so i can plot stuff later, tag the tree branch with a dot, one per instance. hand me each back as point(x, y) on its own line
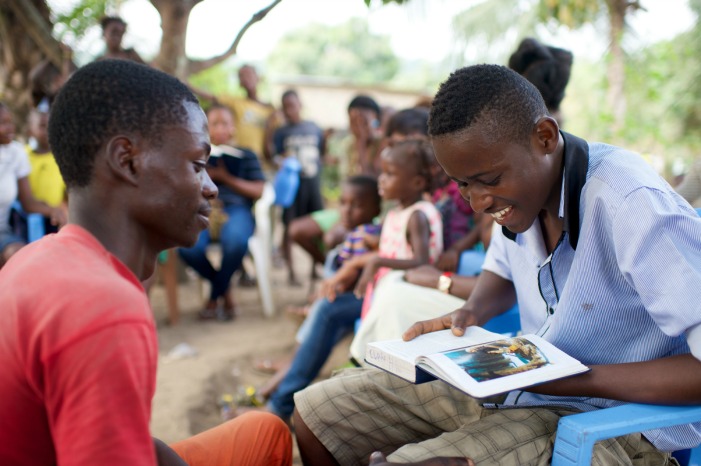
point(195, 66)
point(38, 30)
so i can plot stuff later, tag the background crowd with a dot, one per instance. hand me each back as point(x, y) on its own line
point(385, 253)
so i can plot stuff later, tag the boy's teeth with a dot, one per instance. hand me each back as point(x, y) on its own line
point(499, 215)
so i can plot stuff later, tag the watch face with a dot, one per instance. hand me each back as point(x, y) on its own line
point(444, 283)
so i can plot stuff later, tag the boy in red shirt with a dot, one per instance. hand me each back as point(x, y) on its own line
point(79, 355)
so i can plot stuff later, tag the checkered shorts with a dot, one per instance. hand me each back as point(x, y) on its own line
point(360, 411)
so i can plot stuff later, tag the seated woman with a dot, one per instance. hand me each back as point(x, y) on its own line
point(239, 177)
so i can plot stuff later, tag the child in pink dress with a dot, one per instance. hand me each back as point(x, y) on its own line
point(412, 232)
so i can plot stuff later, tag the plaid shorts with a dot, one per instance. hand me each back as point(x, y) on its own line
point(360, 411)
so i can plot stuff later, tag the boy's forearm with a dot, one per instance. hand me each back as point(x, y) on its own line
point(675, 380)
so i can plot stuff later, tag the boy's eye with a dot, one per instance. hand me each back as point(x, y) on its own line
point(494, 182)
point(199, 166)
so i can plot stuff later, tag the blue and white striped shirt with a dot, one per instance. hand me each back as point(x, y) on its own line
point(623, 283)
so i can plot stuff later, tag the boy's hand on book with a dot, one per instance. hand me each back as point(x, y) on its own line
point(457, 320)
point(378, 459)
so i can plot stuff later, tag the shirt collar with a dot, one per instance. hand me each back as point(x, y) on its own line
point(576, 154)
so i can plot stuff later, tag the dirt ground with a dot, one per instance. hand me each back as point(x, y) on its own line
point(189, 387)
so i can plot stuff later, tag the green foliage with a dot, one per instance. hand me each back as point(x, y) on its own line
point(690, 103)
point(571, 13)
point(221, 79)
point(490, 29)
point(348, 51)
point(85, 14)
point(660, 83)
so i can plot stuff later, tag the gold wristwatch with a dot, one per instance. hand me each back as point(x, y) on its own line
point(445, 281)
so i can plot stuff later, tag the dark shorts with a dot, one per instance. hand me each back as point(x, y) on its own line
point(308, 200)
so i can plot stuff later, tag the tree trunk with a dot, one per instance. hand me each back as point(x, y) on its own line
point(175, 15)
point(615, 95)
point(174, 18)
point(25, 40)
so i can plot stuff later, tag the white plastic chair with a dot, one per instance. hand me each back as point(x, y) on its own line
point(260, 247)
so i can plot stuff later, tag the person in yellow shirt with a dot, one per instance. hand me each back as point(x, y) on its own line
point(252, 116)
point(45, 178)
point(255, 121)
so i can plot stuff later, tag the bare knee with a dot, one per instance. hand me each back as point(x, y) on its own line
point(303, 228)
point(311, 449)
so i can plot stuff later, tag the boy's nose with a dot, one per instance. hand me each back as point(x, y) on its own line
point(209, 189)
point(479, 199)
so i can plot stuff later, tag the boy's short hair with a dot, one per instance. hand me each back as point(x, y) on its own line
point(367, 186)
point(365, 102)
point(499, 99)
point(106, 98)
point(408, 121)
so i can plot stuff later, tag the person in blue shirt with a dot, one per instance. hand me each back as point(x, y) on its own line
point(303, 140)
point(604, 260)
point(240, 180)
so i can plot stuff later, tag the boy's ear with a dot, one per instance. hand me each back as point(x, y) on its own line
point(547, 134)
point(123, 157)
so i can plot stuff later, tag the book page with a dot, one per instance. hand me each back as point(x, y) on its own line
point(502, 365)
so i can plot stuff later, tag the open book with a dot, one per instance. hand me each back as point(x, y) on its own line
point(480, 363)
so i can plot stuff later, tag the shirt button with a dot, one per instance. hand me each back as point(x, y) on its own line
point(551, 311)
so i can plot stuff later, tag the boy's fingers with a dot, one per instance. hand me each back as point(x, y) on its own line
point(427, 326)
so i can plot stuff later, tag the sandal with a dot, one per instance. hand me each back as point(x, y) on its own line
point(267, 366)
point(207, 314)
point(225, 315)
point(298, 311)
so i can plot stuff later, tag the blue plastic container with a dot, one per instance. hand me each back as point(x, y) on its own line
point(286, 182)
